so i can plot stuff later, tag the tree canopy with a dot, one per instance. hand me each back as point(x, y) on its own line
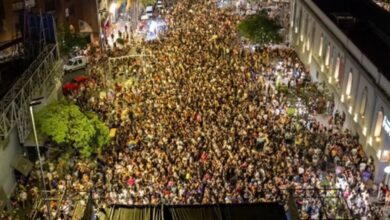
point(65, 124)
point(260, 29)
point(68, 40)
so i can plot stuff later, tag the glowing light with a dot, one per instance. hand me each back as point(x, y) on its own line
point(355, 118)
point(379, 154)
point(350, 109)
point(112, 8)
point(365, 131)
point(342, 98)
point(387, 169)
point(369, 141)
point(154, 29)
point(308, 45)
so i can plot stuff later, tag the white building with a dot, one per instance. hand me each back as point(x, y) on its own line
point(346, 43)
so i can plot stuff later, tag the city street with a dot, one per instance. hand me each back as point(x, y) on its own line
point(201, 111)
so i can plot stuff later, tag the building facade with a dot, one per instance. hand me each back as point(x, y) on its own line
point(81, 16)
point(347, 50)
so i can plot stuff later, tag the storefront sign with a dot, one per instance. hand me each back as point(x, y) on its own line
point(386, 125)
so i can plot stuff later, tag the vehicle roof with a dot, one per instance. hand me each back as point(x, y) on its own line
point(77, 57)
point(80, 78)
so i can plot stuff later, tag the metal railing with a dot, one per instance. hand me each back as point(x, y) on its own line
point(38, 80)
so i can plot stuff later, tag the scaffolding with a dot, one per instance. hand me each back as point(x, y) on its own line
point(38, 80)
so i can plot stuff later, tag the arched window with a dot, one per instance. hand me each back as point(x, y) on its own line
point(313, 33)
point(349, 84)
point(378, 124)
point(363, 104)
point(337, 68)
point(327, 58)
point(305, 27)
point(299, 21)
point(295, 13)
point(321, 45)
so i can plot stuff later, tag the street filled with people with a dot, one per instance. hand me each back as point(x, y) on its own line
point(208, 122)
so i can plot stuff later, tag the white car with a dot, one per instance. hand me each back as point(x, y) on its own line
point(75, 63)
point(149, 11)
point(160, 4)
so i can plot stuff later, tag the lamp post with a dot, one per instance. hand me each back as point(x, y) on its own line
point(99, 24)
point(387, 171)
point(34, 102)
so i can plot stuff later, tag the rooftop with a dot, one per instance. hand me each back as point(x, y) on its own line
point(366, 24)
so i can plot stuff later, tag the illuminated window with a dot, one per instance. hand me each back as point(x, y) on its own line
point(327, 58)
point(337, 69)
point(349, 84)
point(378, 124)
point(295, 13)
point(321, 45)
point(363, 104)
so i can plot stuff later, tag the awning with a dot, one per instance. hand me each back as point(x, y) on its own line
point(80, 78)
point(22, 165)
point(70, 86)
point(84, 27)
point(112, 132)
point(78, 211)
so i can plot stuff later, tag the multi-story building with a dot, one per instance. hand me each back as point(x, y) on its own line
point(346, 44)
point(80, 16)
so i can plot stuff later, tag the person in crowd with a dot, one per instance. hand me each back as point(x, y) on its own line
point(208, 123)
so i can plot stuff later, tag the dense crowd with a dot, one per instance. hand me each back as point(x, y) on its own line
point(207, 123)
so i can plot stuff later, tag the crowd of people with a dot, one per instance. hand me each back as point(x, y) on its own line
point(207, 123)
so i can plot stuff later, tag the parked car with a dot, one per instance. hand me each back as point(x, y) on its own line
point(159, 4)
point(76, 63)
point(74, 85)
point(149, 11)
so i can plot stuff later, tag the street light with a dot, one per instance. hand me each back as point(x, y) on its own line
point(33, 103)
point(113, 8)
point(387, 169)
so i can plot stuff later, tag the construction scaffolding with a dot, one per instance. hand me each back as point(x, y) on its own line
point(38, 80)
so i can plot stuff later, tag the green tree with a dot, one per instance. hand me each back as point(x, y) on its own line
point(68, 40)
point(260, 29)
point(120, 41)
point(65, 124)
point(101, 137)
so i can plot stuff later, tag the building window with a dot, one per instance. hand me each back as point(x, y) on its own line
point(295, 13)
point(313, 33)
point(304, 27)
point(349, 84)
point(378, 124)
point(300, 18)
point(337, 69)
point(363, 104)
point(321, 45)
point(327, 58)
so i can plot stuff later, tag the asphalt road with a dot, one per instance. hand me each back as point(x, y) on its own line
point(69, 76)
